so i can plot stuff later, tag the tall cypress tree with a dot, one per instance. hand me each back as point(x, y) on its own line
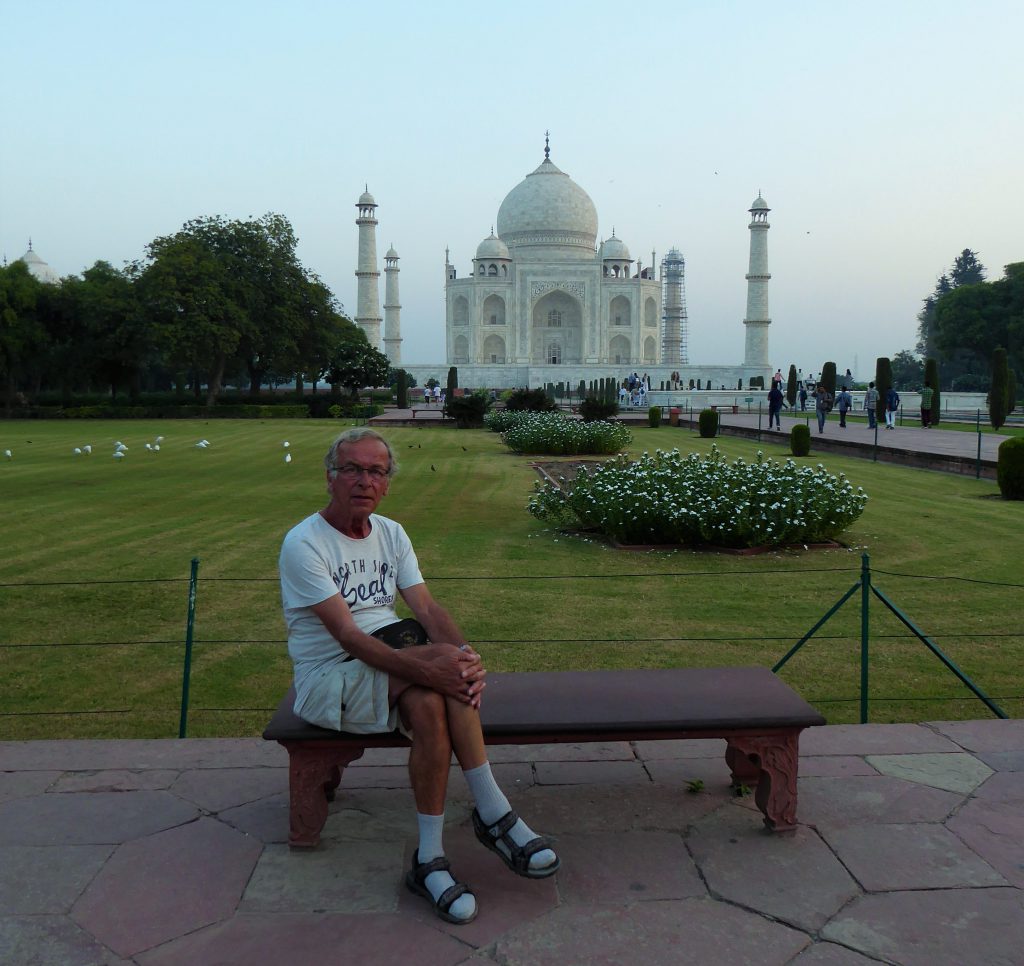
point(828, 377)
point(791, 387)
point(931, 378)
point(883, 383)
point(402, 390)
point(997, 394)
point(453, 384)
point(1011, 390)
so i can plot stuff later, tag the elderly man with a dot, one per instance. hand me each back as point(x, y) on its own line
point(340, 571)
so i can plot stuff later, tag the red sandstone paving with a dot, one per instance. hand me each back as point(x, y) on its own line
point(51, 941)
point(1004, 787)
point(995, 735)
point(598, 751)
point(166, 885)
point(829, 954)
point(713, 772)
point(97, 817)
point(1003, 760)
point(793, 877)
point(573, 809)
point(131, 753)
point(834, 766)
point(265, 820)
point(886, 858)
point(35, 880)
point(504, 900)
point(338, 877)
point(995, 831)
point(948, 927)
point(586, 772)
point(216, 789)
point(873, 739)
point(24, 784)
point(115, 780)
point(869, 800)
point(651, 933)
point(626, 867)
point(296, 940)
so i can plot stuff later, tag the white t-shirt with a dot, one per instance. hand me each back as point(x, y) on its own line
point(317, 561)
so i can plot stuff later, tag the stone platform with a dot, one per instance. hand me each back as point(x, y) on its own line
point(909, 849)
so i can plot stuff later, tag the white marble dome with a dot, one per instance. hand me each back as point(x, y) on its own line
point(760, 203)
point(492, 247)
point(615, 248)
point(547, 208)
point(38, 268)
point(366, 199)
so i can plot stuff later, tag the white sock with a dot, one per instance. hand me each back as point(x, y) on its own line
point(430, 847)
point(492, 804)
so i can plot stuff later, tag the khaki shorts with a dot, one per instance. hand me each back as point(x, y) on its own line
point(364, 700)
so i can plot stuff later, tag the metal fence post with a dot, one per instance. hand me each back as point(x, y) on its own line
point(186, 672)
point(759, 422)
point(977, 461)
point(865, 599)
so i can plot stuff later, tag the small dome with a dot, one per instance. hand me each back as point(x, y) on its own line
point(38, 268)
point(492, 247)
point(760, 204)
point(391, 253)
point(366, 199)
point(615, 248)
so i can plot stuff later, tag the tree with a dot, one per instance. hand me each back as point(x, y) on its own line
point(790, 387)
point(453, 382)
point(966, 270)
point(907, 369)
point(883, 383)
point(355, 364)
point(997, 394)
point(21, 334)
point(401, 389)
point(828, 378)
point(931, 378)
point(1011, 390)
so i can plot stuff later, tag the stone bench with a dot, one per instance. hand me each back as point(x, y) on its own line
point(723, 406)
point(758, 715)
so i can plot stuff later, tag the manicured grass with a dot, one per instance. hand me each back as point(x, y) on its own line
point(529, 597)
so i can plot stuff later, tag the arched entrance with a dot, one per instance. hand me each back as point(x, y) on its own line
point(557, 329)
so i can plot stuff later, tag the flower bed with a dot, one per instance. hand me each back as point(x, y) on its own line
point(558, 435)
point(669, 499)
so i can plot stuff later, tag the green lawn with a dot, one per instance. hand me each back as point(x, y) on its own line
point(96, 559)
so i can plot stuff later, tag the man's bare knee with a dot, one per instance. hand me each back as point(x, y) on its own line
point(423, 710)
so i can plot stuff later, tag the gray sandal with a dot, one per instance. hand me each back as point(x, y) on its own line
point(416, 877)
point(518, 856)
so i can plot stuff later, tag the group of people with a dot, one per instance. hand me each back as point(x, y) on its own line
point(843, 402)
point(436, 394)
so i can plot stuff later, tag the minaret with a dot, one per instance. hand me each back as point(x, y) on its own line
point(674, 349)
point(757, 320)
point(368, 301)
point(392, 309)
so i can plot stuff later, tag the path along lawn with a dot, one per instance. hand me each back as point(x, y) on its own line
point(96, 560)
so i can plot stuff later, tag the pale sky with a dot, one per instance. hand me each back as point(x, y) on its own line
point(885, 137)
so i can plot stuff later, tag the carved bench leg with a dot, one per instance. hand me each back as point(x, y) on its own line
point(776, 759)
point(314, 772)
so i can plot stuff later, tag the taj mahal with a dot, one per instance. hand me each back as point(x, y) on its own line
point(544, 301)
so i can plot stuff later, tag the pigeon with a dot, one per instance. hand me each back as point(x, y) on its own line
point(434, 468)
point(464, 450)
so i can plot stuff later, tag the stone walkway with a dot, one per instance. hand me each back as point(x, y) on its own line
point(910, 850)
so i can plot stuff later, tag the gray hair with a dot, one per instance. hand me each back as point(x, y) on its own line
point(350, 436)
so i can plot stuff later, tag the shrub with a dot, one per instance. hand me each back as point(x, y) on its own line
point(654, 417)
point(534, 400)
point(469, 411)
point(696, 500)
point(559, 435)
point(593, 409)
point(800, 440)
point(354, 410)
point(708, 423)
point(1010, 468)
point(498, 420)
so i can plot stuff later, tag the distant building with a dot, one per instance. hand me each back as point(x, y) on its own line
point(37, 267)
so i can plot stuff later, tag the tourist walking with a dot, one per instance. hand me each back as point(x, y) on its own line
point(803, 399)
point(927, 394)
point(822, 402)
point(844, 402)
point(871, 405)
point(775, 398)
point(892, 404)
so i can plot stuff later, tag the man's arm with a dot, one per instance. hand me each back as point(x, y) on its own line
point(441, 667)
point(439, 624)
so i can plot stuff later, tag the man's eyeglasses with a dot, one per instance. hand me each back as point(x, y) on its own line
point(351, 471)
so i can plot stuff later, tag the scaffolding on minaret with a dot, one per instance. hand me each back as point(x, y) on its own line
point(674, 323)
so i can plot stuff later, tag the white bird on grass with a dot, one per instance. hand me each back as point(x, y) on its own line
point(8, 454)
point(119, 455)
point(87, 449)
point(149, 446)
point(156, 446)
point(77, 451)
point(286, 444)
point(159, 439)
point(287, 457)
